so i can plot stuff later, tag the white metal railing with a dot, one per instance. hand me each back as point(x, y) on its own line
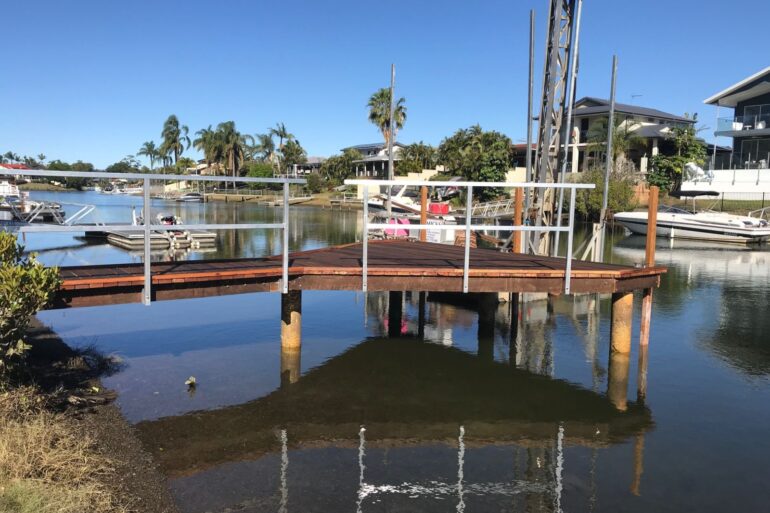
point(569, 228)
point(490, 209)
point(148, 228)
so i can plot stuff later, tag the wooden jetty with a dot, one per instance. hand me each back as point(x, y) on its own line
point(394, 265)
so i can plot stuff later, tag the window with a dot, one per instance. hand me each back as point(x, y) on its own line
point(754, 152)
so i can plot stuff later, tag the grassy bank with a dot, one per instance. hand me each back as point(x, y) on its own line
point(64, 447)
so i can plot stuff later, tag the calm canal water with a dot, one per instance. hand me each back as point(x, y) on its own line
point(462, 421)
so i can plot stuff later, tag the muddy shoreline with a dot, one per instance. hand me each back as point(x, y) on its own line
point(137, 480)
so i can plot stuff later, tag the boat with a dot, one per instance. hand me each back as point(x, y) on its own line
point(678, 223)
point(16, 207)
point(191, 197)
point(403, 199)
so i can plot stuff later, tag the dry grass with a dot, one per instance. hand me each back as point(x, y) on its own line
point(46, 463)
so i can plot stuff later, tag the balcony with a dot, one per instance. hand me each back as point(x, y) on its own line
point(743, 126)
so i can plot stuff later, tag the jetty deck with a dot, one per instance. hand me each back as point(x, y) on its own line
point(394, 265)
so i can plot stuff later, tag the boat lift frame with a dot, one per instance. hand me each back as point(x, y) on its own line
point(469, 186)
point(148, 228)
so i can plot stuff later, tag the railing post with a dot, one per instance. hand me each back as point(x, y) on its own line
point(365, 242)
point(147, 292)
point(468, 216)
point(285, 275)
point(568, 269)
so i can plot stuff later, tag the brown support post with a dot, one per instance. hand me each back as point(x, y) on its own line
point(423, 212)
point(638, 465)
point(518, 205)
point(620, 349)
point(622, 316)
point(649, 261)
point(291, 336)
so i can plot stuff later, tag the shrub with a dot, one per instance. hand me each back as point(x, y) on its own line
point(620, 198)
point(26, 286)
point(314, 183)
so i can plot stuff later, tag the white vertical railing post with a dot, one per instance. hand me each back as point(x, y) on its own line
point(285, 275)
point(147, 292)
point(570, 234)
point(365, 242)
point(468, 216)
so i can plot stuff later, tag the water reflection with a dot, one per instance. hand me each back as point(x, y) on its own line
point(412, 398)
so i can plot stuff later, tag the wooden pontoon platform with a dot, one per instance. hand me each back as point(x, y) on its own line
point(394, 265)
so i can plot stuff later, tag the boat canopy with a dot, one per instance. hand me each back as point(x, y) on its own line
point(692, 194)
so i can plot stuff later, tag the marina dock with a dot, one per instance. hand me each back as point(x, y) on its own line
point(394, 265)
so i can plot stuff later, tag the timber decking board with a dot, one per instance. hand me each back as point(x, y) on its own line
point(396, 260)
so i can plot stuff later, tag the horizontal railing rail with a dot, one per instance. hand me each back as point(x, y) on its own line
point(469, 226)
point(147, 227)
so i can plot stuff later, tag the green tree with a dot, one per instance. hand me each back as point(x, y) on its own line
point(281, 133)
point(265, 147)
point(338, 167)
point(233, 145)
point(420, 152)
point(259, 169)
point(623, 138)
point(208, 142)
point(293, 153)
point(175, 139)
point(619, 199)
point(379, 113)
point(150, 151)
point(667, 167)
point(59, 165)
point(26, 286)
point(477, 156)
point(185, 163)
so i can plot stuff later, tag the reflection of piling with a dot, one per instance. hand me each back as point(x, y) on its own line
point(291, 336)
point(486, 334)
point(638, 465)
point(421, 316)
point(641, 375)
point(290, 365)
point(617, 380)
point(513, 339)
point(395, 301)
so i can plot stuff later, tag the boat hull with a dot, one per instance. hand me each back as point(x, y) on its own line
point(693, 231)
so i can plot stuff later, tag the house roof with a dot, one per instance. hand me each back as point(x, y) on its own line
point(378, 158)
point(756, 84)
point(373, 146)
point(13, 166)
point(591, 106)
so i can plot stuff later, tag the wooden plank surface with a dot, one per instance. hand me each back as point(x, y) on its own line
point(396, 262)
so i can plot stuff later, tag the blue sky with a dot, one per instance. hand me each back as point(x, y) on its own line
point(93, 80)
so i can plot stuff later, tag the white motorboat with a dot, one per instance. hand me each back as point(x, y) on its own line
point(677, 223)
point(403, 199)
point(191, 197)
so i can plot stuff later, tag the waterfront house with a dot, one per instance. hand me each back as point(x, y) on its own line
point(374, 159)
point(652, 126)
point(749, 126)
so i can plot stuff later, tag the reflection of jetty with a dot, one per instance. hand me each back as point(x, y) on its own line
point(493, 401)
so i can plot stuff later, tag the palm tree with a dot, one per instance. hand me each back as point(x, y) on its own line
point(232, 145)
point(265, 147)
point(174, 137)
point(281, 133)
point(623, 138)
point(150, 151)
point(209, 143)
point(379, 113)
